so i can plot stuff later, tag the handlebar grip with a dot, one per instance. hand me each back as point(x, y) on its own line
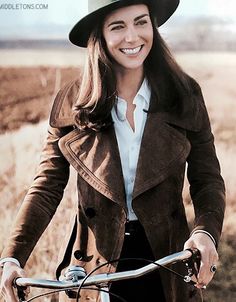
point(20, 290)
point(196, 254)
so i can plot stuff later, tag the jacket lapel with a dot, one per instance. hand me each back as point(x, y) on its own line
point(163, 148)
point(95, 156)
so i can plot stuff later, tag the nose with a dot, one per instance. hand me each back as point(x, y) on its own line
point(131, 35)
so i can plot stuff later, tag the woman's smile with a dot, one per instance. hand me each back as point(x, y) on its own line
point(128, 33)
point(132, 51)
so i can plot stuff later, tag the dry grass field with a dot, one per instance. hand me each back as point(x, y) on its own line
point(26, 95)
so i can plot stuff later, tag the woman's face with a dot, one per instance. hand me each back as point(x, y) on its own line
point(128, 34)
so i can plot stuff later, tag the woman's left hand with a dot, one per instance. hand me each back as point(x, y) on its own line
point(209, 257)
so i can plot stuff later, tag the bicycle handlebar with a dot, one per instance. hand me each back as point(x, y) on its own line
point(109, 277)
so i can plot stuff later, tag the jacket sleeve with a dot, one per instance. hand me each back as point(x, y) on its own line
point(207, 188)
point(41, 200)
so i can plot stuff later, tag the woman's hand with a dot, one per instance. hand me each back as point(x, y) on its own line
point(209, 257)
point(10, 272)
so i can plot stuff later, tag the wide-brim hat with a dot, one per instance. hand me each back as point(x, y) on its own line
point(79, 35)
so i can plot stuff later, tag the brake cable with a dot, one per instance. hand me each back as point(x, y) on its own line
point(187, 278)
point(190, 267)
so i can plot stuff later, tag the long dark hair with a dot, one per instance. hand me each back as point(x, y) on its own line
point(170, 85)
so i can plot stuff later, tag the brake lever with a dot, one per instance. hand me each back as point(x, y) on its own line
point(193, 265)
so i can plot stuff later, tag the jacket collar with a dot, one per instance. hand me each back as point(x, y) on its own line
point(95, 155)
point(62, 114)
point(163, 148)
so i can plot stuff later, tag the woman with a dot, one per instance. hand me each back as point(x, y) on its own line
point(128, 127)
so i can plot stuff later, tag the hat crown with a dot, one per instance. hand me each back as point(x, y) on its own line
point(94, 5)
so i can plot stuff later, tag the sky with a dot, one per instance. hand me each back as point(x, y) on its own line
point(18, 20)
point(220, 8)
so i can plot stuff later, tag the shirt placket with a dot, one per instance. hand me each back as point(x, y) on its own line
point(133, 155)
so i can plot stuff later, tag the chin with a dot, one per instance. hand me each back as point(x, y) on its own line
point(132, 66)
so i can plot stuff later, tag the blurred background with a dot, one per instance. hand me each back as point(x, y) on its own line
point(36, 59)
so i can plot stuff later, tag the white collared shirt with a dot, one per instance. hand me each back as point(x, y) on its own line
point(129, 141)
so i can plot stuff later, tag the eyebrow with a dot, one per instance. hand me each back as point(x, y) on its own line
point(122, 22)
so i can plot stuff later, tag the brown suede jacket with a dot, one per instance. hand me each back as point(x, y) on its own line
point(168, 144)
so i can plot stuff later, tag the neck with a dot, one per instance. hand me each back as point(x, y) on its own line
point(128, 83)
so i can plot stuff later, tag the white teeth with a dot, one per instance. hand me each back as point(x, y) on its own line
point(131, 51)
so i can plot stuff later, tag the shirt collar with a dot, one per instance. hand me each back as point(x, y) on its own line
point(142, 99)
point(144, 92)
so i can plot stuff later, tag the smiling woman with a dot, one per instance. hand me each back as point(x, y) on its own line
point(129, 40)
point(129, 127)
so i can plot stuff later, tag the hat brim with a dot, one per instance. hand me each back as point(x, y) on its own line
point(79, 35)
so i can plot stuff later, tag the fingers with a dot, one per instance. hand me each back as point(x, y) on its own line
point(209, 257)
point(10, 272)
point(7, 291)
point(205, 275)
point(189, 244)
point(9, 295)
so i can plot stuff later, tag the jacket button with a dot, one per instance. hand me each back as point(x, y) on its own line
point(98, 261)
point(79, 255)
point(90, 212)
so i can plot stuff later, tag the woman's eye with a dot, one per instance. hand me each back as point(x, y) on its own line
point(118, 27)
point(142, 22)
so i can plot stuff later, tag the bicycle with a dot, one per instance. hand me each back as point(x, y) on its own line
point(76, 278)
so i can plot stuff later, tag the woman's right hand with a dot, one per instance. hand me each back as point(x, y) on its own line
point(10, 272)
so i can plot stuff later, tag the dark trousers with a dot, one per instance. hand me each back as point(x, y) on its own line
point(142, 289)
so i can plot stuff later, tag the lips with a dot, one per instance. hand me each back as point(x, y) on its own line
point(131, 51)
